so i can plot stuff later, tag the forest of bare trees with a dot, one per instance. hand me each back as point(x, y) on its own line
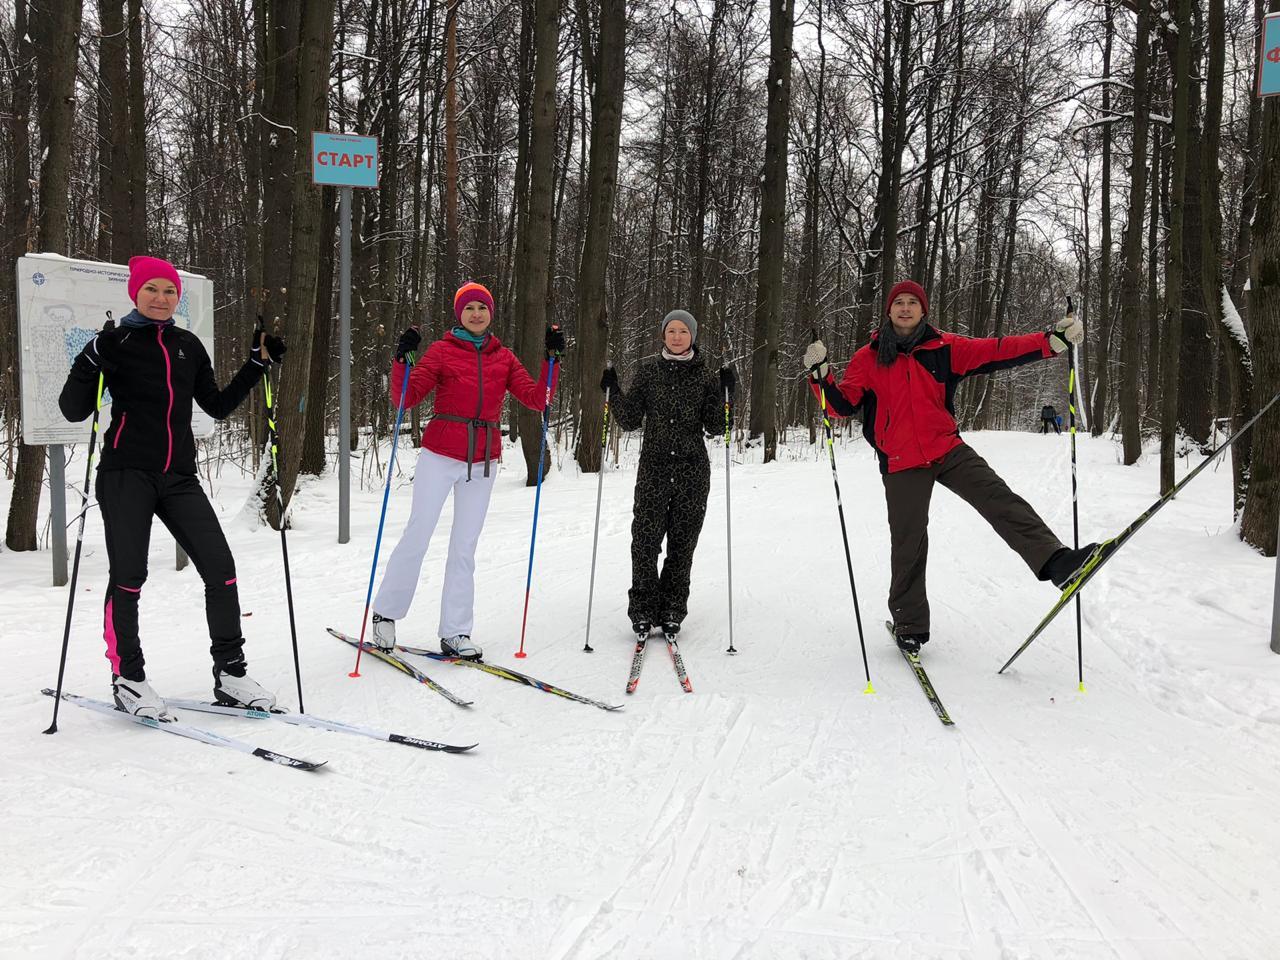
point(771, 167)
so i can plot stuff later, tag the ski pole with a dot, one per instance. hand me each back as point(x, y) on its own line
point(537, 499)
point(284, 540)
point(1075, 494)
point(382, 517)
point(728, 515)
point(75, 565)
point(595, 537)
point(844, 532)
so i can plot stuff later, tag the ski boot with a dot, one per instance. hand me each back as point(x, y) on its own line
point(641, 628)
point(460, 646)
point(137, 697)
point(1065, 565)
point(241, 691)
point(384, 633)
point(911, 642)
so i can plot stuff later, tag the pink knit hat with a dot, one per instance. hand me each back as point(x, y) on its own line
point(142, 269)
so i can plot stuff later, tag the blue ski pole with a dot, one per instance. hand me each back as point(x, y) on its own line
point(382, 517)
point(537, 499)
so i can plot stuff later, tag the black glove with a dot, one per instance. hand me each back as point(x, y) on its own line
point(554, 341)
point(609, 381)
point(408, 343)
point(102, 350)
point(728, 380)
point(275, 347)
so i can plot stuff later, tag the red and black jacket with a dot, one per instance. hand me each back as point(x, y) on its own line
point(908, 406)
point(155, 373)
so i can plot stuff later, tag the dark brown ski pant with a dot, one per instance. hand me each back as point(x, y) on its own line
point(970, 478)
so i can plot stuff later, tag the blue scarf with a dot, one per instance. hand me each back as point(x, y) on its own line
point(476, 339)
point(136, 320)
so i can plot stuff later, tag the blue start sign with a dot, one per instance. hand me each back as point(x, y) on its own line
point(343, 160)
point(1269, 49)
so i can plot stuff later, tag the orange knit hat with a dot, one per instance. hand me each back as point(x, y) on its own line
point(468, 292)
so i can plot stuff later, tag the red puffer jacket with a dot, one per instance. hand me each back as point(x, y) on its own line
point(908, 411)
point(470, 386)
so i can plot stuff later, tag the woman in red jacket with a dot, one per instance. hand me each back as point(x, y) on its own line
point(471, 373)
point(904, 382)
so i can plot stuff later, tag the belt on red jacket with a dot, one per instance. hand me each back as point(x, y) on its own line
point(472, 423)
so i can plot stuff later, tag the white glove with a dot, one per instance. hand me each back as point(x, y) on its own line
point(815, 360)
point(1067, 330)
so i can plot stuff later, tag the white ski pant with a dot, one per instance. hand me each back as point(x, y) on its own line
point(435, 477)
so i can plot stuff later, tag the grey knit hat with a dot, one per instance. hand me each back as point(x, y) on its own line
point(685, 317)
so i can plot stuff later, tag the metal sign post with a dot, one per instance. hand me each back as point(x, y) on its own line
point(344, 161)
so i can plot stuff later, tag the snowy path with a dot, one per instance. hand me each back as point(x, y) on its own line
point(777, 812)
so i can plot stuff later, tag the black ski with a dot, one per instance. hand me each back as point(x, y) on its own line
point(677, 661)
point(404, 666)
point(318, 723)
point(913, 659)
point(637, 662)
point(191, 733)
point(507, 674)
point(1107, 549)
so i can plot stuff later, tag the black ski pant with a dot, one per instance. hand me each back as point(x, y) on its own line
point(1046, 424)
point(670, 503)
point(968, 476)
point(128, 500)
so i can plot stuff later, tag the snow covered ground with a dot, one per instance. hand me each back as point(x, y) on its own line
point(777, 812)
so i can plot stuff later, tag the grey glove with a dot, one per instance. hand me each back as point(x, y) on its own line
point(815, 360)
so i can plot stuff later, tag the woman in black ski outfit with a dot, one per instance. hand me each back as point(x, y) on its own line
point(676, 398)
point(154, 370)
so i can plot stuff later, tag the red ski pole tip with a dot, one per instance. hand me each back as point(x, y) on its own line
point(354, 673)
point(520, 655)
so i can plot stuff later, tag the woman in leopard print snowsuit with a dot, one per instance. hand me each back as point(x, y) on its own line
point(676, 397)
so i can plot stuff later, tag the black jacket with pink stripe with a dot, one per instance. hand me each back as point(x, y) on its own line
point(153, 373)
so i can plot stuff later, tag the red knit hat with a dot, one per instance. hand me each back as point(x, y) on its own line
point(911, 287)
point(142, 269)
point(469, 292)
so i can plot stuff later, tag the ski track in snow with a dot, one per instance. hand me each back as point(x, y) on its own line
point(777, 812)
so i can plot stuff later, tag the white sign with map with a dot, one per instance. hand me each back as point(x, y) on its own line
point(62, 303)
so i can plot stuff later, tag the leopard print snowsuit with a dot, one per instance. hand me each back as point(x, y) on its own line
point(676, 400)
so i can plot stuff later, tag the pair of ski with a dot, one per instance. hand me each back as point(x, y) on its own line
point(677, 661)
point(404, 666)
point(183, 729)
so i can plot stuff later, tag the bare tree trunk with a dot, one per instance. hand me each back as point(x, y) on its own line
point(606, 67)
point(533, 267)
point(56, 38)
point(1131, 291)
point(773, 197)
point(450, 280)
point(315, 422)
point(136, 151)
point(113, 144)
point(1235, 353)
point(1258, 522)
point(315, 45)
point(1101, 371)
point(17, 225)
point(1173, 273)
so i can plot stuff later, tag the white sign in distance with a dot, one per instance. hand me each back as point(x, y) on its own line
point(62, 303)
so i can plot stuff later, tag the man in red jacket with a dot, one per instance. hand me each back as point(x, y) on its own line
point(903, 383)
